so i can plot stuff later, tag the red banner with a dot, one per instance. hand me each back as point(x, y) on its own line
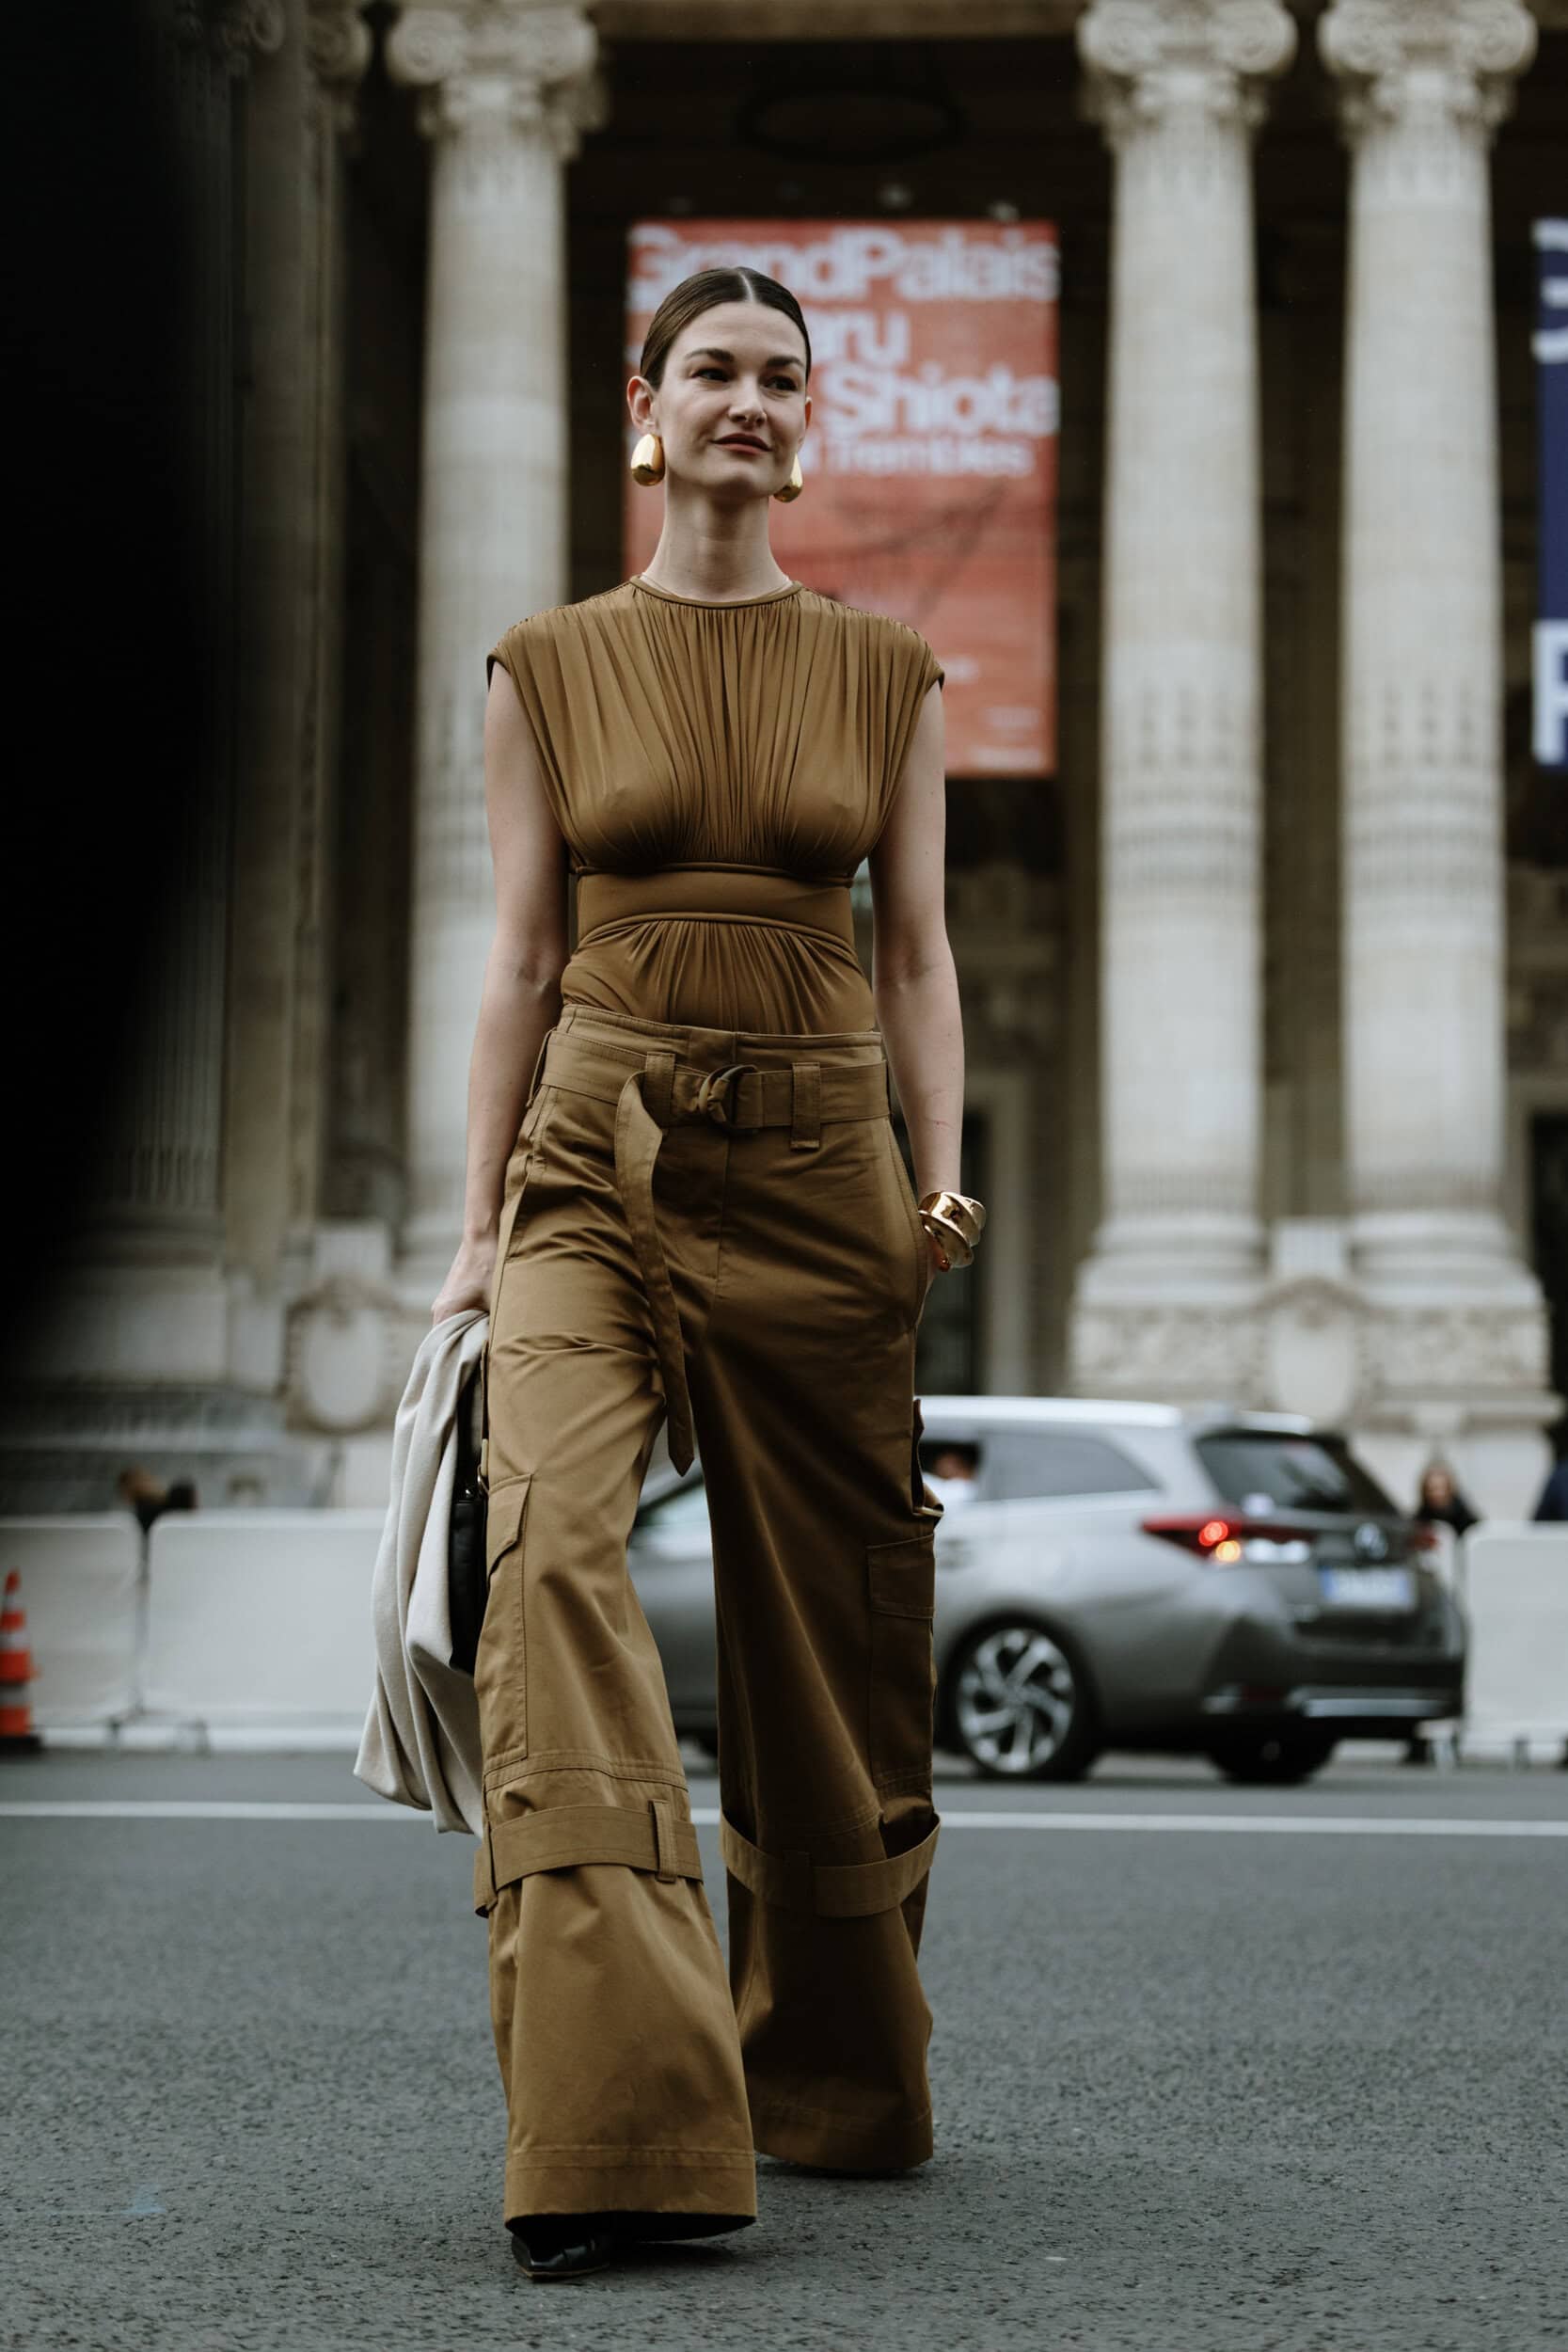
point(930, 462)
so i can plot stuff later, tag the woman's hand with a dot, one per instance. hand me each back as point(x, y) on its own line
point(940, 1259)
point(467, 1282)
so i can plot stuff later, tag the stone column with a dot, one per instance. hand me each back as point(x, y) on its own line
point(289, 586)
point(510, 89)
point(1178, 1252)
point(1457, 1330)
point(148, 1299)
point(135, 1361)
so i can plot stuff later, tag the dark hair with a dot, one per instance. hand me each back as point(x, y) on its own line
point(703, 290)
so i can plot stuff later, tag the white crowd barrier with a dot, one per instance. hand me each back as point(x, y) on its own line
point(79, 1593)
point(261, 1617)
point(1513, 1588)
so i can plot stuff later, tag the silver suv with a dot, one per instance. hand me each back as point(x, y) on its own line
point(1132, 1576)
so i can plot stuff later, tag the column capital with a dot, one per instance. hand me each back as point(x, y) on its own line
point(237, 29)
point(1417, 61)
point(527, 63)
point(1147, 59)
point(337, 49)
point(337, 42)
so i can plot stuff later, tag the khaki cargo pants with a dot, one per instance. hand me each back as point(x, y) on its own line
point(715, 1227)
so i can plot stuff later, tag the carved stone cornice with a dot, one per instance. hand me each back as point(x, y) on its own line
point(1147, 60)
point(505, 62)
point(1426, 62)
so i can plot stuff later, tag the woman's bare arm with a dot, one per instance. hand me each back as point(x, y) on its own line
point(913, 983)
point(521, 995)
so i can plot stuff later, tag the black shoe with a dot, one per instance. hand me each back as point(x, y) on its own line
point(565, 2246)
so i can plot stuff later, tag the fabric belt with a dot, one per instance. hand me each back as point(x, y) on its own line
point(830, 1890)
point(653, 1089)
point(756, 894)
point(562, 1837)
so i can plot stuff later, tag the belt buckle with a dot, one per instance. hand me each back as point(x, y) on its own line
point(713, 1095)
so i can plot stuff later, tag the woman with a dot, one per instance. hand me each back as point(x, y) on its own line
point(1439, 1504)
point(704, 1215)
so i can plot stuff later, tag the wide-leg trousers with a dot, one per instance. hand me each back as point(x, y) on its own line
point(712, 1228)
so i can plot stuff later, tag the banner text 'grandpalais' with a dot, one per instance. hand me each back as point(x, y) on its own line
point(930, 461)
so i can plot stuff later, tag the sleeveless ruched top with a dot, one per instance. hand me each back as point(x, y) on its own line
point(718, 772)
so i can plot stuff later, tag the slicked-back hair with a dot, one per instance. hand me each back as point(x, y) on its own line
point(703, 290)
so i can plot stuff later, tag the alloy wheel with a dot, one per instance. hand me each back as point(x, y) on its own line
point(1017, 1706)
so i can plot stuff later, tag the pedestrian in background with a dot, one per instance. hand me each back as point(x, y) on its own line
point(954, 1474)
point(149, 1498)
point(1553, 1499)
point(1439, 1504)
point(704, 1215)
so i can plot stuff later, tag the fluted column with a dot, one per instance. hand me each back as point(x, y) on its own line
point(301, 106)
point(152, 1226)
point(510, 89)
point(1422, 727)
point(1457, 1323)
point(145, 1356)
point(1178, 87)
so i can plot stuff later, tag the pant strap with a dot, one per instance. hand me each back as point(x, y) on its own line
point(560, 1836)
point(852, 1890)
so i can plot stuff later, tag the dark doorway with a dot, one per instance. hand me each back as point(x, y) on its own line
point(1549, 1198)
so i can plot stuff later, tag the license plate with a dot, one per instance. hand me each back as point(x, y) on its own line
point(1368, 1588)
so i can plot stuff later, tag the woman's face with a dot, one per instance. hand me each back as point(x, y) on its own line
point(1439, 1486)
point(733, 407)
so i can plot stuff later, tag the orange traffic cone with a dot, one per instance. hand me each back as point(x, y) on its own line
point(16, 1674)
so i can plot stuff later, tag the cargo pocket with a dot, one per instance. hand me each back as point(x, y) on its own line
point(901, 1594)
point(501, 1673)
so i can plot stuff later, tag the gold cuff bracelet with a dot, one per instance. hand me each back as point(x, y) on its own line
point(954, 1221)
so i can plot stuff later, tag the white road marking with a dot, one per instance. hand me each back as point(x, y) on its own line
point(197, 1809)
point(707, 1816)
point(1271, 1824)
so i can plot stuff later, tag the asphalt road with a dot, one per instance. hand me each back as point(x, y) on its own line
point(1211, 2074)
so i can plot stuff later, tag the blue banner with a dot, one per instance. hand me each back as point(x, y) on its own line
point(1551, 378)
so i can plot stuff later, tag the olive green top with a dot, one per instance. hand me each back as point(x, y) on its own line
point(748, 755)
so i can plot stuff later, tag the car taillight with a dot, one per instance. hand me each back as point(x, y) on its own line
point(1227, 1536)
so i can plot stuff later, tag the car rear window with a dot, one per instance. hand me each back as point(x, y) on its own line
point(1262, 1471)
point(1018, 1464)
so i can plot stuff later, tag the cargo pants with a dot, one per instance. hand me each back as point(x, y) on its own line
point(715, 1228)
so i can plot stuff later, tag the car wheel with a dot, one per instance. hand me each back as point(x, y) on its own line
point(1273, 1758)
point(1019, 1706)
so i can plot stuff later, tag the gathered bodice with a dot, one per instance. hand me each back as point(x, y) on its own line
point(743, 758)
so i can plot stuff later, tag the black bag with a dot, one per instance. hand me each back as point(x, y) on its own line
point(466, 1563)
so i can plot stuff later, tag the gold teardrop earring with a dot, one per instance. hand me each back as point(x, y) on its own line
point(647, 461)
point(793, 487)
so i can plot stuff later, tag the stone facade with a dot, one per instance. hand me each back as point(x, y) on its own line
point(1263, 1024)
